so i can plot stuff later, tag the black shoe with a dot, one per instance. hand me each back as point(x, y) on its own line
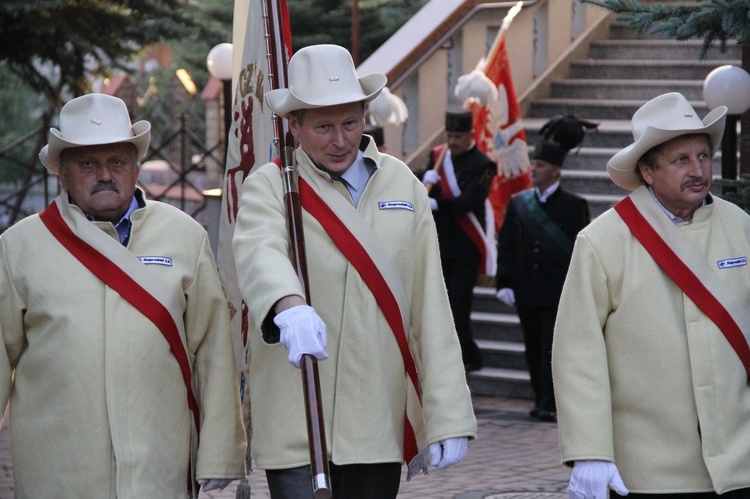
point(548, 416)
point(534, 413)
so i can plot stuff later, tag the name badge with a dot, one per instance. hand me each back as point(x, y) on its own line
point(395, 205)
point(156, 260)
point(732, 262)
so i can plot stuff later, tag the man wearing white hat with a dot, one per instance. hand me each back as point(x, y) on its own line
point(117, 353)
point(391, 377)
point(650, 356)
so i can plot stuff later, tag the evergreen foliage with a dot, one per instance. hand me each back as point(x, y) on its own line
point(53, 45)
point(736, 191)
point(720, 21)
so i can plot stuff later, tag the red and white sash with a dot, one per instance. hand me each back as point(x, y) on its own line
point(483, 237)
point(359, 244)
point(119, 269)
point(687, 267)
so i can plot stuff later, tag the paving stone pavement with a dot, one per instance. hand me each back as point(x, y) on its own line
point(514, 457)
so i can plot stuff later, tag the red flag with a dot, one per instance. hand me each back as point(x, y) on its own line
point(250, 144)
point(499, 132)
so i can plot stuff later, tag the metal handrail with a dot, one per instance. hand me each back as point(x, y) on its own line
point(452, 31)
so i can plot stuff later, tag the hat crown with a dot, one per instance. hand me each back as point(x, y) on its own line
point(670, 111)
point(322, 69)
point(95, 119)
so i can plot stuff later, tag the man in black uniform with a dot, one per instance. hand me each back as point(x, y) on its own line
point(534, 249)
point(458, 177)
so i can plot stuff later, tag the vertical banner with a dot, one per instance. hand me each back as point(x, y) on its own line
point(499, 132)
point(249, 145)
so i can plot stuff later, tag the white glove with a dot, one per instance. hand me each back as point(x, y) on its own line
point(590, 480)
point(448, 452)
point(430, 177)
point(302, 332)
point(214, 483)
point(507, 296)
point(433, 204)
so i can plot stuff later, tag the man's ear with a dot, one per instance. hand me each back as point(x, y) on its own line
point(645, 172)
point(294, 124)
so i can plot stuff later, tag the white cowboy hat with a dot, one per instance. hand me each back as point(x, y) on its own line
point(323, 75)
point(94, 119)
point(657, 121)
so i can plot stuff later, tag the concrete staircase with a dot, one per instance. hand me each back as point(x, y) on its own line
point(622, 73)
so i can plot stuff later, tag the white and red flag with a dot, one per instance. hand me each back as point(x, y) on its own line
point(250, 144)
point(498, 130)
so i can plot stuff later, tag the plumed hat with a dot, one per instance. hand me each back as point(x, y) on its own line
point(561, 134)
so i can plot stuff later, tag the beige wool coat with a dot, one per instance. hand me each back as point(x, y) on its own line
point(642, 377)
point(362, 382)
point(98, 406)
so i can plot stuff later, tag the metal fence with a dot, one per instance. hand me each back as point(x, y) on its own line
point(183, 159)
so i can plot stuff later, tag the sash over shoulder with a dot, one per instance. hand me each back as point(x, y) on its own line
point(119, 269)
point(688, 268)
point(360, 246)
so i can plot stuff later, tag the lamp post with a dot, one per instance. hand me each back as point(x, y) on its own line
point(219, 63)
point(728, 86)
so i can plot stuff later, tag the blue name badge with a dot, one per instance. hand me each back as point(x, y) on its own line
point(395, 205)
point(156, 260)
point(732, 262)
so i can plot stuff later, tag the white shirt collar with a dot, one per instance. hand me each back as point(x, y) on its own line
point(544, 195)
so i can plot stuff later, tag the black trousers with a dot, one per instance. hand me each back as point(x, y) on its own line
point(351, 481)
point(460, 275)
point(734, 494)
point(538, 325)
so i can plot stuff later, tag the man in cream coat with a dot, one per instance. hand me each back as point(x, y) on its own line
point(650, 354)
point(363, 305)
point(117, 353)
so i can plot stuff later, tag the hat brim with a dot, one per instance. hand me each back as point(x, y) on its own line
point(50, 154)
point(283, 101)
point(621, 167)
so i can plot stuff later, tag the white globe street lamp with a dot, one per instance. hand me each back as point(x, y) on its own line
point(219, 63)
point(728, 86)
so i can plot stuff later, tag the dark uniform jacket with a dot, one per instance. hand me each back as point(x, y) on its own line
point(474, 171)
point(529, 260)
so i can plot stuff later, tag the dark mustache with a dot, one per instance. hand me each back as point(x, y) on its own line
point(105, 186)
point(701, 181)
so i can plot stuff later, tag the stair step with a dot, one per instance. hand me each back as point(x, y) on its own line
point(624, 89)
point(499, 382)
point(591, 109)
point(508, 354)
point(496, 326)
point(660, 49)
point(646, 69)
point(589, 181)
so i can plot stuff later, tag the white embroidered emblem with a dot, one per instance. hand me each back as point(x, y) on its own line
point(156, 260)
point(395, 205)
point(96, 121)
point(732, 262)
